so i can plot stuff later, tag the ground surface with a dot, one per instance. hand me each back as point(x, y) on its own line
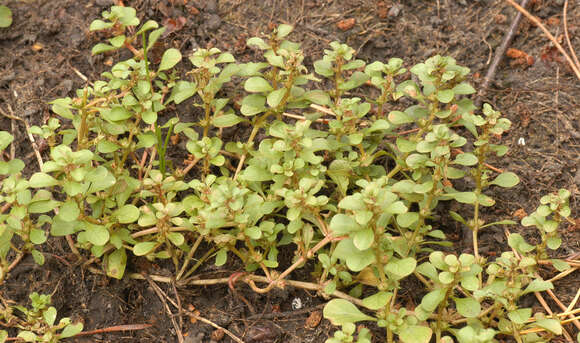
point(49, 40)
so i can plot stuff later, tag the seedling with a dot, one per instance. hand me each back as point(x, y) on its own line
point(39, 322)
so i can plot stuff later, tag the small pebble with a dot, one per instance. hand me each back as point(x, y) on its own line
point(296, 303)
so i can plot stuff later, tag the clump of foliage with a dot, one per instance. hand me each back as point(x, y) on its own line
point(39, 322)
point(352, 183)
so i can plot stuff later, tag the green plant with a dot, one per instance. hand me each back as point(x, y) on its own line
point(352, 183)
point(38, 324)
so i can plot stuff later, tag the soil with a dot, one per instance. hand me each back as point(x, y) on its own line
point(45, 55)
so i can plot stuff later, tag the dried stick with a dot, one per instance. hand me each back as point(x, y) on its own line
point(499, 54)
point(567, 35)
point(535, 20)
point(116, 328)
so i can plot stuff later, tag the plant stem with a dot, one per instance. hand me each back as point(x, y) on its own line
point(189, 257)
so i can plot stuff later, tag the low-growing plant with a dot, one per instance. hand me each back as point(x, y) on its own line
point(38, 323)
point(351, 182)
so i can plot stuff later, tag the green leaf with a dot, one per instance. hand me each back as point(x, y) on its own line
point(221, 257)
point(399, 118)
point(432, 299)
point(69, 211)
point(538, 286)
point(176, 238)
point(553, 242)
point(117, 41)
point(377, 301)
point(257, 84)
point(341, 224)
point(405, 145)
point(71, 330)
point(49, 315)
point(407, 219)
point(516, 241)
point(38, 257)
point(560, 265)
point(107, 147)
point(520, 316)
point(41, 180)
point(127, 214)
point(352, 202)
point(253, 104)
point(275, 97)
point(170, 58)
point(116, 263)
point(445, 96)
point(226, 120)
point(416, 334)
point(42, 206)
point(401, 268)
point(255, 173)
point(143, 248)
point(457, 217)
point(257, 42)
point(317, 96)
point(506, 180)
point(62, 228)
point(101, 47)
point(5, 140)
point(463, 197)
point(364, 238)
point(182, 91)
point(551, 325)
point(356, 80)
point(283, 30)
point(340, 311)
point(27, 336)
point(149, 25)
point(467, 159)
point(97, 234)
point(3, 336)
point(116, 113)
point(356, 260)
point(5, 16)
point(324, 68)
point(37, 236)
point(463, 88)
point(154, 36)
point(468, 307)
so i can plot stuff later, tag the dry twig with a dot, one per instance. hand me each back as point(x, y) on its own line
point(499, 54)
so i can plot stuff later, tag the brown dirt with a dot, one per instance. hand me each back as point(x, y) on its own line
point(49, 42)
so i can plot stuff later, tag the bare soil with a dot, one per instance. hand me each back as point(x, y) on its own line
point(47, 49)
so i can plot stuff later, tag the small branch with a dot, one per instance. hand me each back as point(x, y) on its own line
point(116, 328)
point(323, 109)
point(564, 18)
point(563, 274)
point(499, 54)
